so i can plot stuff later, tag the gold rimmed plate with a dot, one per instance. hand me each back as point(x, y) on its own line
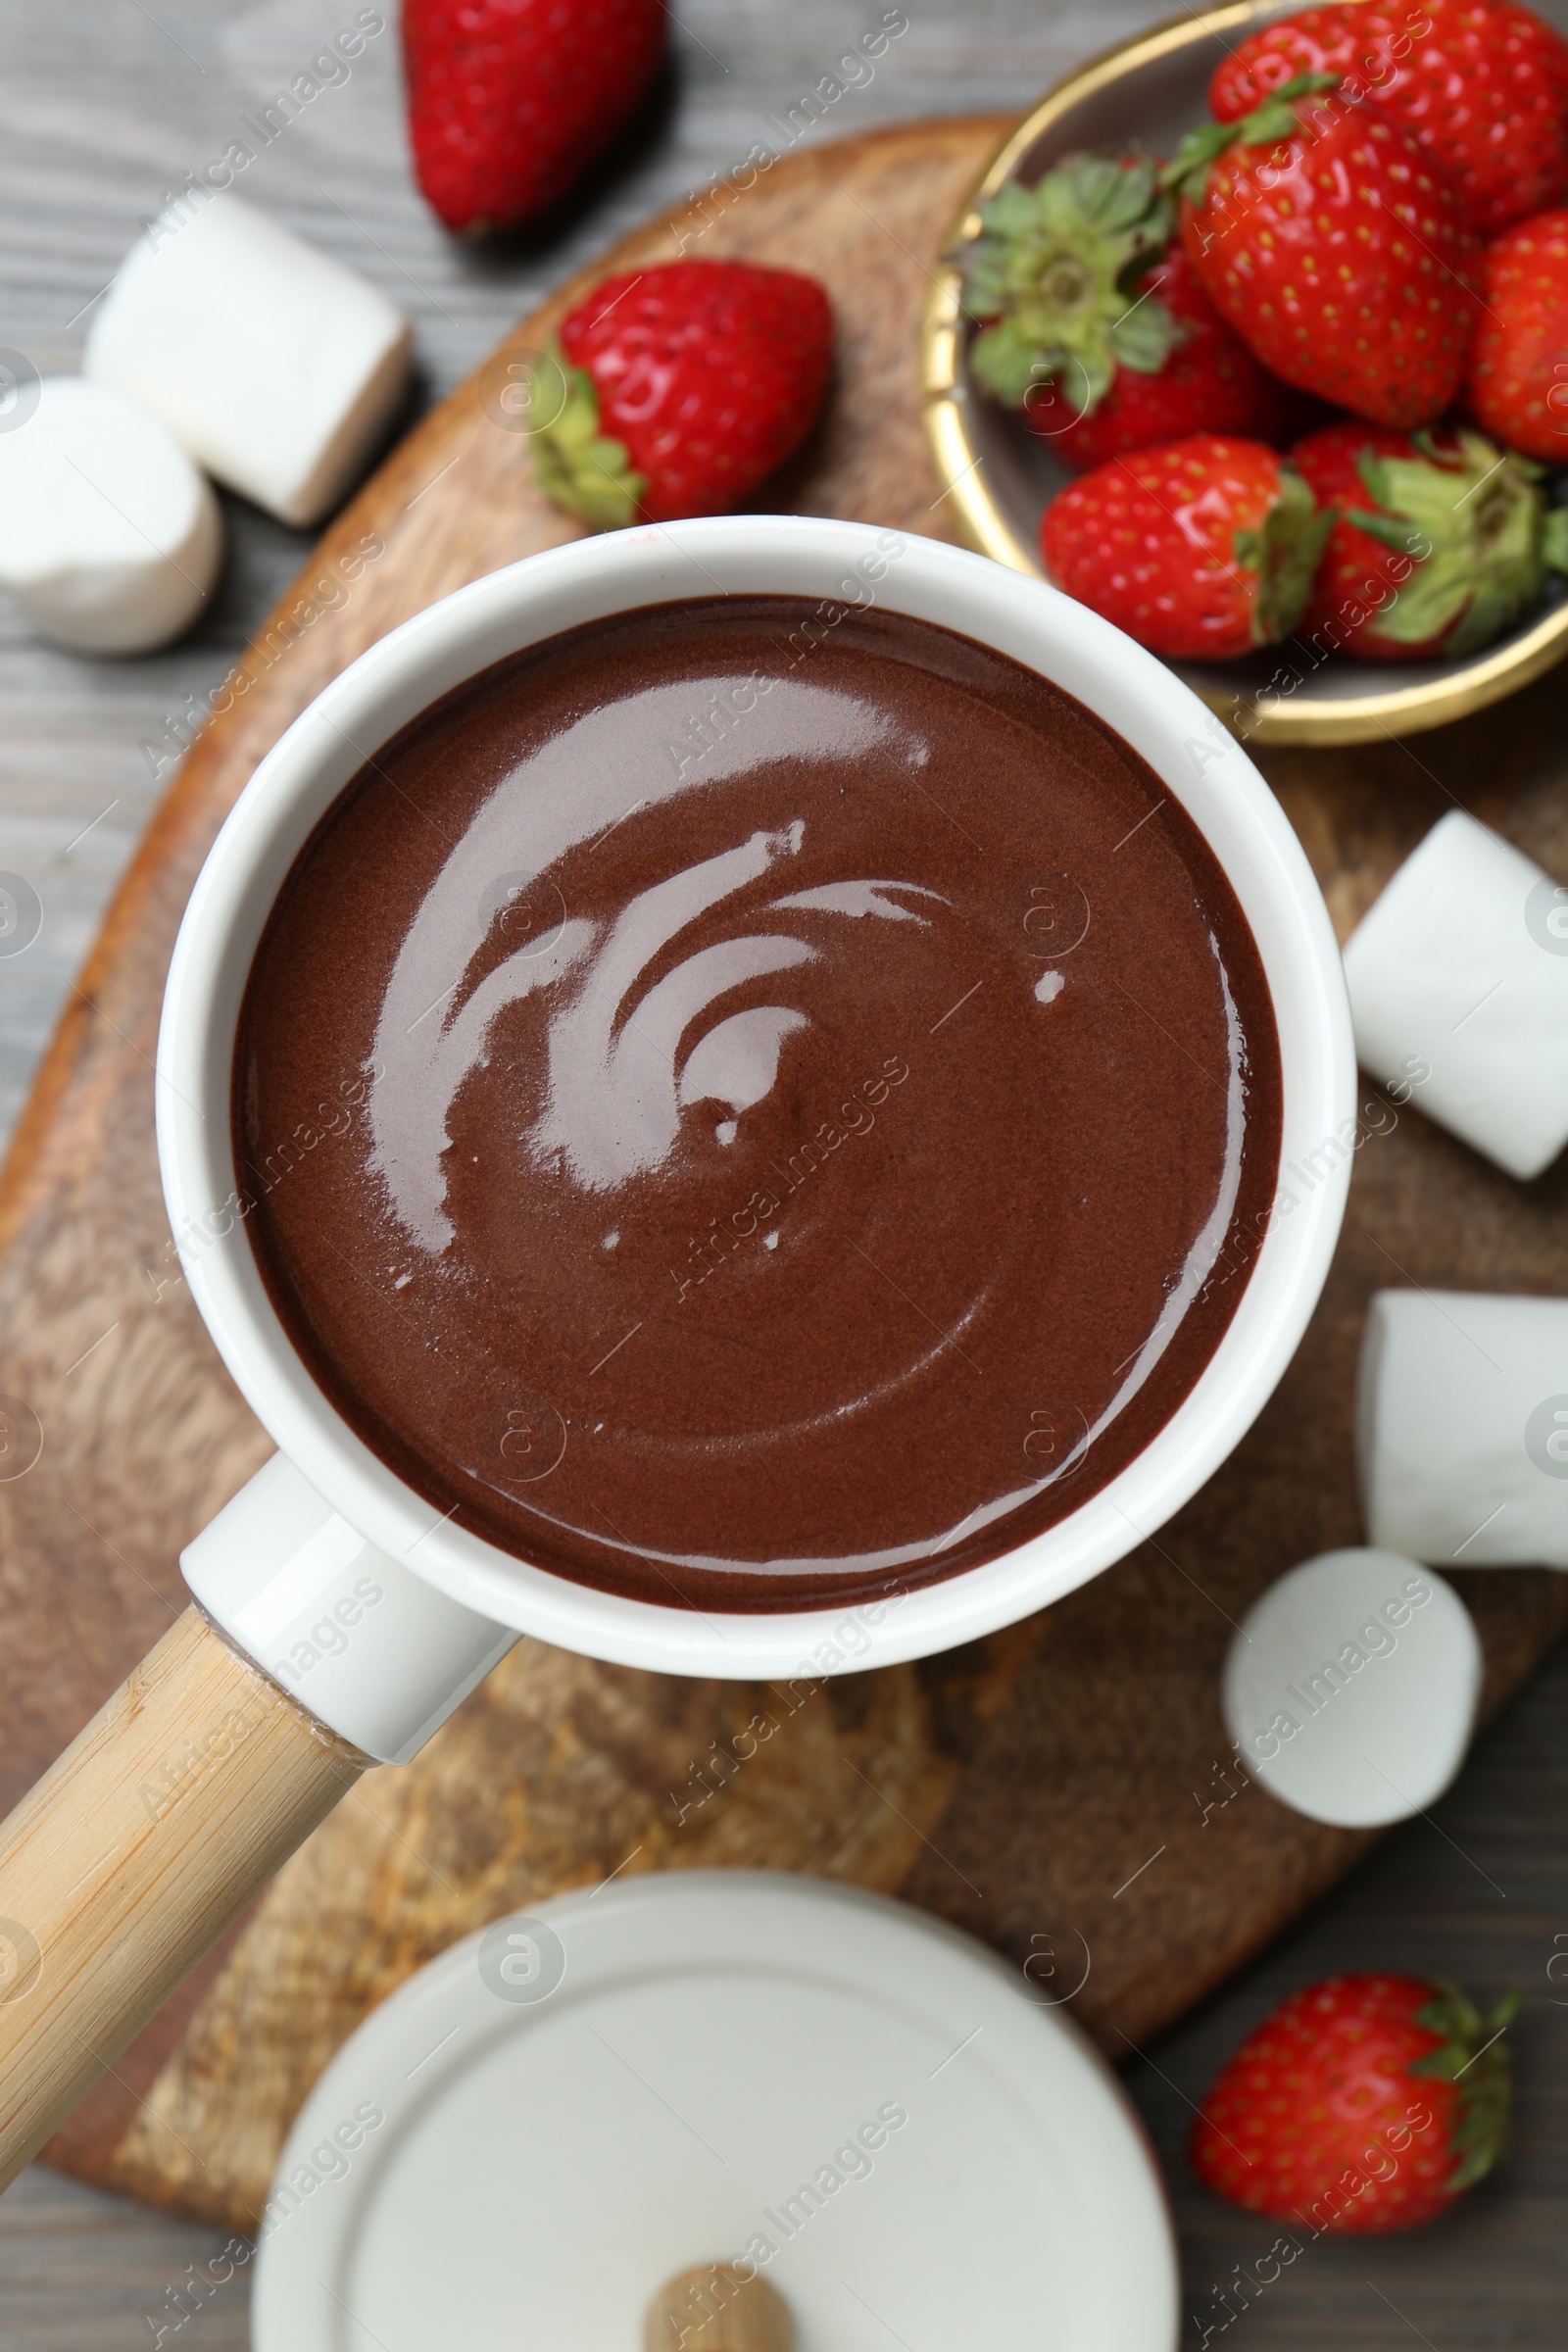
point(999, 476)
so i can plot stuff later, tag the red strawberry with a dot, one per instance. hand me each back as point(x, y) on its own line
point(1363, 2104)
point(1336, 247)
point(1440, 540)
point(1482, 84)
point(509, 100)
point(1201, 549)
point(1210, 383)
point(1096, 325)
point(1519, 359)
point(685, 387)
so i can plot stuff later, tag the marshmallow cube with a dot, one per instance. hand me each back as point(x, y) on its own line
point(110, 539)
point(1350, 1687)
point(278, 369)
point(1462, 1428)
point(1458, 980)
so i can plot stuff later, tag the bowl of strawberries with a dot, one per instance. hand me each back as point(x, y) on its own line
point(1254, 338)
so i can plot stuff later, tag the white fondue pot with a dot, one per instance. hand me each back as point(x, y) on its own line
point(120, 1869)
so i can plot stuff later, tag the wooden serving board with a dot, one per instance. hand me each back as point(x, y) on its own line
point(1060, 1789)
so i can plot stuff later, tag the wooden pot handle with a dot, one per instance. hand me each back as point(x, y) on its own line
point(134, 1852)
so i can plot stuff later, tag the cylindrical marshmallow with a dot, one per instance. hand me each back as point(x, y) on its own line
point(110, 539)
point(1462, 1428)
point(1350, 1687)
point(278, 368)
point(1458, 980)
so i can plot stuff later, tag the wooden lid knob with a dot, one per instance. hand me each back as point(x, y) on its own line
point(713, 2309)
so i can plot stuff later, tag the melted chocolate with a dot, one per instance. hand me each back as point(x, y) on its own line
point(740, 1111)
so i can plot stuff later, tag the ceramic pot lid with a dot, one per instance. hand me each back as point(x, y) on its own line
point(534, 2133)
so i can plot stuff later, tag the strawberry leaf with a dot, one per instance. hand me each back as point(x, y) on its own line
point(1186, 173)
point(1285, 553)
point(1400, 536)
point(1050, 278)
point(1265, 125)
point(1474, 2056)
point(1473, 519)
point(1370, 467)
point(582, 470)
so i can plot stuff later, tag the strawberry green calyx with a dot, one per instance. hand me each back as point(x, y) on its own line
point(1052, 278)
point(581, 468)
point(1475, 2056)
point(1474, 519)
point(1285, 552)
point(1554, 540)
point(1187, 172)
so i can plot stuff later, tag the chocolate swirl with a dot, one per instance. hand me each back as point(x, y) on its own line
point(808, 1111)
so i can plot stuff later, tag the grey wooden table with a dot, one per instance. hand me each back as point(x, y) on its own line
point(104, 105)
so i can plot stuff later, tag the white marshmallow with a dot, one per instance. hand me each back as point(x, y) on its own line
point(278, 368)
point(1462, 1428)
point(1350, 1689)
point(1460, 970)
point(110, 539)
